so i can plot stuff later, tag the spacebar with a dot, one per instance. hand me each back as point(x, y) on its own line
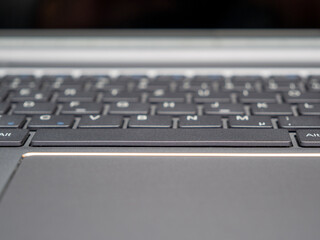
point(162, 137)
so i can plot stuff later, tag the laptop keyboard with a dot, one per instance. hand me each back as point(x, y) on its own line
point(249, 111)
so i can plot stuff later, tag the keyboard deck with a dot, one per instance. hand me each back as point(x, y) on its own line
point(165, 110)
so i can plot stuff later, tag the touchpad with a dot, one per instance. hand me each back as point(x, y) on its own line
point(162, 198)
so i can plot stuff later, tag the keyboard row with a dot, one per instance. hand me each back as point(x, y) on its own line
point(159, 137)
point(159, 95)
point(165, 108)
point(179, 83)
point(291, 123)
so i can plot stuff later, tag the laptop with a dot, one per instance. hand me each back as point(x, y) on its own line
point(159, 120)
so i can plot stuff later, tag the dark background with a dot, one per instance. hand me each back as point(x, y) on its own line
point(159, 14)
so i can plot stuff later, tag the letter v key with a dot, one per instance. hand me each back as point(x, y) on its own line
point(93, 118)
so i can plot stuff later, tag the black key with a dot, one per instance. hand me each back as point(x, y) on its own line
point(12, 121)
point(208, 78)
point(194, 121)
point(239, 86)
point(207, 96)
point(13, 137)
point(4, 108)
point(130, 78)
point(145, 85)
point(308, 138)
point(99, 121)
point(17, 82)
point(152, 87)
point(145, 121)
point(115, 96)
point(97, 83)
point(27, 94)
point(96, 78)
point(128, 108)
point(194, 86)
point(255, 97)
point(170, 78)
point(313, 84)
point(163, 137)
point(300, 122)
point(17, 79)
point(285, 78)
point(50, 121)
point(103, 83)
point(282, 84)
point(59, 87)
point(296, 96)
point(62, 82)
point(250, 122)
point(4, 92)
point(31, 108)
point(309, 109)
point(71, 94)
point(246, 79)
point(271, 109)
point(58, 78)
point(223, 109)
point(155, 97)
point(173, 108)
point(79, 108)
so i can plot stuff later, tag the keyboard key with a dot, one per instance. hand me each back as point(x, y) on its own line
point(131, 78)
point(71, 94)
point(13, 137)
point(12, 121)
point(313, 84)
point(163, 137)
point(238, 86)
point(4, 108)
point(18, 82)
point(81, 108)
point(128, 108)
point(27, 94)
point(296, 96)
point(308, 138)
point(50, 121)
point(309, 109)
point(244, 79)
point(207, 96)
point(17, 79)
point(250, 122)
point(61, 83)
point(282, 84)
point(194, 121)
point(97, 83)
point(99, 121)
point(301, 122)
point(32, 108)
point(145, 121)
point(118, 96)
point(157, 97)
point(194, 86)
point(255, 97)
point(170, 78)
point(208, 78)
point(173, 108)
point(271, 109)
point(58, 78)
point(223, 109)
point(145, 85)
point(4, 92)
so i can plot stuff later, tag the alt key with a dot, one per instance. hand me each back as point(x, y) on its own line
point(13, 137)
